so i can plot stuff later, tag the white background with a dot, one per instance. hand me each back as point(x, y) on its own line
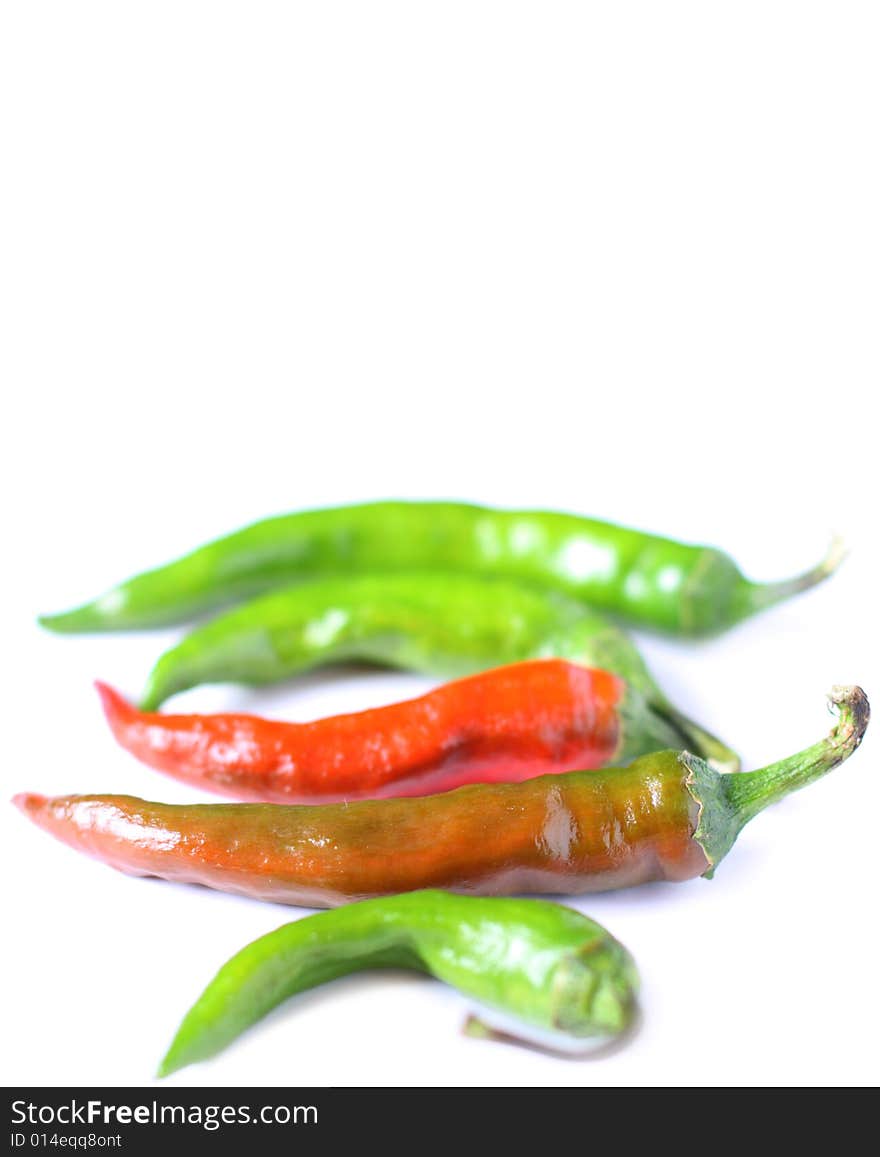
point(618, 258)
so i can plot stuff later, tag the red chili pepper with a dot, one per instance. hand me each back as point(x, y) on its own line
point(509, 724)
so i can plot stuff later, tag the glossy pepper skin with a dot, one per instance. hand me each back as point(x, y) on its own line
point(555, 976)
point(505, 725)
point(648, 580)
point(434, 623)
point(667, 816)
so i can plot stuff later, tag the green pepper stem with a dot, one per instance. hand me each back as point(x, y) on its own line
point(759, 596)
point(752, 791)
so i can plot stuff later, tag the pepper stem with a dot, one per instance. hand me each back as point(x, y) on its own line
point(751, 791)
point(728, 802)
point(759, 596)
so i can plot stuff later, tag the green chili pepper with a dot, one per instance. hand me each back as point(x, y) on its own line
point(446, 625)
point(652, 581)
point(559, 977)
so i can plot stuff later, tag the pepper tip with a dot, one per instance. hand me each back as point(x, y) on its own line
point(74, 622)
point(28, 802)
point(113, 703)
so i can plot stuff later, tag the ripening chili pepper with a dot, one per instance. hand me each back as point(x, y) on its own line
point(667, 816)
point(652, 581)
point(438, 624)
point(504, 725)
point(541, 972)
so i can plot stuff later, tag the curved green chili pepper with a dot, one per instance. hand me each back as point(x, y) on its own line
point(652, 581)
point(563, 979)
point(446, 625)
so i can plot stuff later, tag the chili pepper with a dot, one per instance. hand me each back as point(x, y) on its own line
point(667, 816)
point(438, 624)
point(560, 978)
point(505, 725)
point(652, 581)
